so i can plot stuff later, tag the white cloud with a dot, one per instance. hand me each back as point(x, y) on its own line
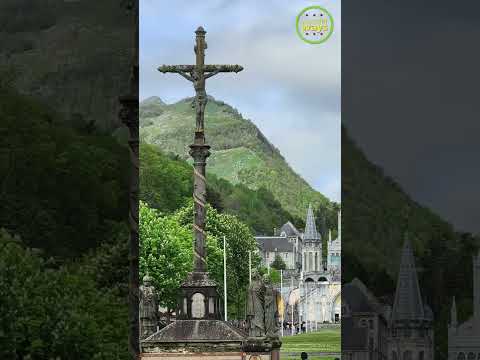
point(290, 89)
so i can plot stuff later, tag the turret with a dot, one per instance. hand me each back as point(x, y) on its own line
point(453, 315)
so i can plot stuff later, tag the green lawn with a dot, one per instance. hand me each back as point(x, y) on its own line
point(326, 340)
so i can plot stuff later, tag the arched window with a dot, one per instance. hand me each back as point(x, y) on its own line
point(407, 355)
point(461, 356)
point(185, 305)
point(198, 306)
point(471, 356)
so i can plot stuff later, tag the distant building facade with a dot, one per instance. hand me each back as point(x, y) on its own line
point(464, 339)
point(311, 283)
point(376, 331)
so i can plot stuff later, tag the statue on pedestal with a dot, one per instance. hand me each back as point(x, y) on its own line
point(272, 316)
point(255, 306)
point(148, 313)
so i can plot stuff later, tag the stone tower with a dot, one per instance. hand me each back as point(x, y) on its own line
point(410, 328)
point(312, 245)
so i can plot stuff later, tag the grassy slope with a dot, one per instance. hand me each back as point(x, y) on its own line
point(326, 340)
point(241, 154)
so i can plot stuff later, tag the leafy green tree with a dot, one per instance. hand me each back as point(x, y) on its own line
point(50, 312)
point(166, 248)
point(278, 263)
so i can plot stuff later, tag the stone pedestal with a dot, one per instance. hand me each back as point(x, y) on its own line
point(195, 339)
point(262, 348)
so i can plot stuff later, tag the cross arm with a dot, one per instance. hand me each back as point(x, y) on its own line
point(207, 68)
point(212, 70)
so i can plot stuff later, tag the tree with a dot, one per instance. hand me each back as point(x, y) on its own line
point(278, 263)
point(50, 313)
point(166, 252)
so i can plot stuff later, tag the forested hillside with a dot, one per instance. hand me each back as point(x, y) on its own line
point(166, 183)
point(63, 236)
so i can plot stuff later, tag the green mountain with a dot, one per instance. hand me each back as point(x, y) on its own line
point(240, 152)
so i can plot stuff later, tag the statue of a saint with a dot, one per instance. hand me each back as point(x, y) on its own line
point(255, 307)
point(272, 316)
point(148, 312)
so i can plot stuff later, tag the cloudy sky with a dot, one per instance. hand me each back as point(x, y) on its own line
point(411, 101)
point(289, 89)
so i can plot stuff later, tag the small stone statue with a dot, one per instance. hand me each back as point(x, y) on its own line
point(148, 312)
point(255, 306)
point(272, 316)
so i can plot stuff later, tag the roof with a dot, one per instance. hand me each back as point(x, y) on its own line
point(360, 299)
point(196, 331)
point(289, 229)
point(270, 243)
point(311, 232)
point(408, 303)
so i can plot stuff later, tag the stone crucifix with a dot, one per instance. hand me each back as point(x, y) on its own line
point(199, 150)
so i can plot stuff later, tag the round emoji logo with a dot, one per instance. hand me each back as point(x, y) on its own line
point(314, 25)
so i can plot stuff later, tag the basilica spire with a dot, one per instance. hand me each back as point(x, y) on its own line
point(453, 314)
point(311, 232)
point(408, 303)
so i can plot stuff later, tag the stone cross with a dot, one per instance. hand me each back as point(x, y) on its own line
point(199, 150)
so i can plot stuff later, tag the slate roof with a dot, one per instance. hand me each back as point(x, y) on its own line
point(196, 331)
point(289, 229)
point(408, 303)
point(311, 232)
point(270, 243)
point(357, 299)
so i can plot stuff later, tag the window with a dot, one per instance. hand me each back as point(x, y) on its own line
point(420, 355)
point(198, 306)
point(471, 356)
point(211, 306)
point(461, 356)
point(185, 305)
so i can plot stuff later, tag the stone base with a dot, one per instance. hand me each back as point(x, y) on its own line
point(262, 348)
point(195, 356)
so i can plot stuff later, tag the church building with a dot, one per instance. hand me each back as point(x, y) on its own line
point(381, 332)
point(464, 339)
point(311, 282)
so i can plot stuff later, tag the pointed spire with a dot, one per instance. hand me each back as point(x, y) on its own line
point(408, 301)
point(311, 232)
point(453, 314)
point(339, 235)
